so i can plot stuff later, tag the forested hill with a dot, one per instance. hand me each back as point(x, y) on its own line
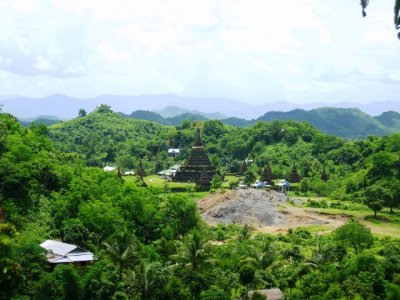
point(390, 119)
point(155, 117)
point(103, 135)
point(342, 122)
point(348, 123)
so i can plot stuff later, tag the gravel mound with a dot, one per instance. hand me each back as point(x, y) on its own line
point(245, 206)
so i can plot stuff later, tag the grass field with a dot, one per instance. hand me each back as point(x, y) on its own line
point(385, 224)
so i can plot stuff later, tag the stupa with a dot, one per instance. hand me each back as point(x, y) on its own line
point(140, 170)
point(243, 168)
point(267, 175)
point(294, 176)
point(197, 168)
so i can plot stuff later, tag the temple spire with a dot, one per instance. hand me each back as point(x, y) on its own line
point(198, 167)
point(197, 139)
point(294, 176)
point(267, 174)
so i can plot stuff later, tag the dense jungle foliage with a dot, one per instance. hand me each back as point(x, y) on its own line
point(151, 243)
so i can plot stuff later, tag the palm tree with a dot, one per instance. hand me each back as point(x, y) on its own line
point(245, 232)
point(192, 251)
point(122, 252)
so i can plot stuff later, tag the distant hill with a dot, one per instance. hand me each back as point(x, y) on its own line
point(233, 121)
point(348, 123)
point(173, 111)
point(46, 120)
point(188, 116)
point(155, 117)
point(147, 115)
point(66, 107)
point(343, 122)
point(390, 119)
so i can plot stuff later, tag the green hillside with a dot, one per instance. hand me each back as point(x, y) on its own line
point(103, 136)
point(147, 115)
point(155, 117)
point(45, 120)
point(347, 123)
point(390, 119)
point(341, 122)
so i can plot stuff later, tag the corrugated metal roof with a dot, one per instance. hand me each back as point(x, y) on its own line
point(83, 257)
point(59, 252)
point(57, 247)
point(60, 260)
point(109, 169)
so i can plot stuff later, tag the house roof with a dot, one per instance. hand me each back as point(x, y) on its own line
point(284, 183)
point(109, 169)
point(59, 252)
point(169, 171)
point(174, 150)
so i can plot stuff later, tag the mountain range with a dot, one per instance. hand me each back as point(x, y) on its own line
point(66, 107)
point(343, 122)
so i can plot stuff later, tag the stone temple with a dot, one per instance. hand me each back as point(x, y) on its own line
point(294, 176)
point(267, 174)
point(197, 168)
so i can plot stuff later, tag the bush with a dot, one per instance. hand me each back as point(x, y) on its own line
point(316, 204)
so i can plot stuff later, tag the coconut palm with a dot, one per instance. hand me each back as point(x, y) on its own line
point(122, 251)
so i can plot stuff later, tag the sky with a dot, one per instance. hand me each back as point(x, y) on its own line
point(258, 51)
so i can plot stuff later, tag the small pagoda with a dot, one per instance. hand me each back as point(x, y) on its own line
point(197, 168)
point(294, 176)
point(243, 168)
point(267, 174)
point(140, 170)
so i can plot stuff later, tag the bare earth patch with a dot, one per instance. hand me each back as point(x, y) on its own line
point(266, 211)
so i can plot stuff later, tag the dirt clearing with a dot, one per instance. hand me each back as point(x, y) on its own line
point(266, 211)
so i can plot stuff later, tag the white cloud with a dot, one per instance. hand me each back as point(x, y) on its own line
point(42, 63)
point(25, 6)
point(242, 48)
point(112, 54)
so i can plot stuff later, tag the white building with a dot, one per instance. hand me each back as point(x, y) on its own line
point(174, 152)
point(109, 168)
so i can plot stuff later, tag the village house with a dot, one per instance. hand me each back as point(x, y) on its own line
point(174, 152)
point(59, 253)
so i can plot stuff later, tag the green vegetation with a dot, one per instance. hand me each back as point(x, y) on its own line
point(343, 122)
point(347, 123)
point(150, 242)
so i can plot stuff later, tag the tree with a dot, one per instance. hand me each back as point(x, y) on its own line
point(375, 196)
point(10, 271)
point(141, 173)
point(364, 4)
point(246, 276)
point(64, 284)
point(216, 182)
point(122, 251)
point(356, 235)
point(193, 251)
point(250, 175)
point(393, 197)
point(82, 113)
